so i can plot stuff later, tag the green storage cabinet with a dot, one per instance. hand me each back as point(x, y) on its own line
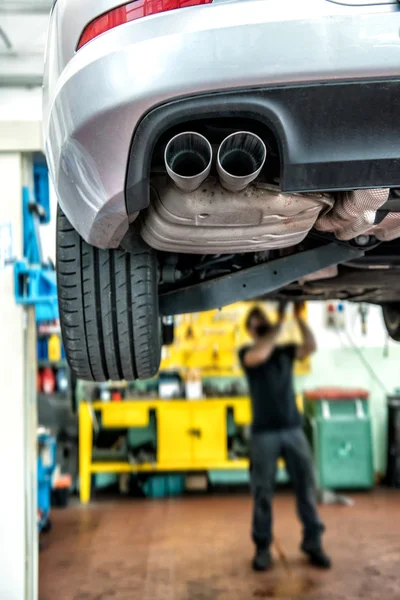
point(341, 438)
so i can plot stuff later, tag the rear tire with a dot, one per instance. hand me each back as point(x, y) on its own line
point(108, 302)
point(391, 317)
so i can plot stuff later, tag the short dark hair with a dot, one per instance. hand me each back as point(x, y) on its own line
point(254, 313)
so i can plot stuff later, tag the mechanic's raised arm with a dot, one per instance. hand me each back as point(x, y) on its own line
point(262, 349)
point(309, 344)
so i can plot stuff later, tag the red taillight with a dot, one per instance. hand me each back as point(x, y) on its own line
point(131, 12)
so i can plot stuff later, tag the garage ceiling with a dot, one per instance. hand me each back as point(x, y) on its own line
point(23, 29)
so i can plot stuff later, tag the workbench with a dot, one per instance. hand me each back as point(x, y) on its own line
point(191, 435)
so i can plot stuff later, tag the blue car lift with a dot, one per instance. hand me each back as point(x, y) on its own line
point(35, 279)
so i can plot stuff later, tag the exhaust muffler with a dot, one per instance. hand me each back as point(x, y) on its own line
point(187, 159)
point(240, 158)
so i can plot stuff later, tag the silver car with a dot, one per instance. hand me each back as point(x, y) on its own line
point(209, 151)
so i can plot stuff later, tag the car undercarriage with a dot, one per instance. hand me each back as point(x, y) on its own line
point(372, 276)
point(240, 239)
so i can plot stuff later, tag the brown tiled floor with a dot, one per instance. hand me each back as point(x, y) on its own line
point(199, 549)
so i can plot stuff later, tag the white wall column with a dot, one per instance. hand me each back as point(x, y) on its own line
point(12, 419)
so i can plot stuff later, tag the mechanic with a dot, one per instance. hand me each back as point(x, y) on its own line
point(277, 432)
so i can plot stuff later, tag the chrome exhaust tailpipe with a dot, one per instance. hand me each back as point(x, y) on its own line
point(240, 158)
point(187, 159)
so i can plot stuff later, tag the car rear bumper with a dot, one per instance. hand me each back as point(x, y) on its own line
point(95, 104)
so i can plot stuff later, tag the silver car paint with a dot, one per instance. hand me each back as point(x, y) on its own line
point(94, 98)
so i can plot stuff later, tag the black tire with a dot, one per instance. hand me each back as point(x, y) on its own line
point(391, 317)
point(108, 301)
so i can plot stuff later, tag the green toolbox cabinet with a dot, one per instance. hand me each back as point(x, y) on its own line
point(341, 438)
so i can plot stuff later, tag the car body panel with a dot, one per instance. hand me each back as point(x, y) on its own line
point(95, 98)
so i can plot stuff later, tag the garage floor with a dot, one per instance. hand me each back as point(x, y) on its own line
point(199, 549)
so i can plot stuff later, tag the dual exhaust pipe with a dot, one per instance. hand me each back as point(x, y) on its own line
point(240, 158)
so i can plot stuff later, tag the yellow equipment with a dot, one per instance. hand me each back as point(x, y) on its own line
point(209, 341)
point(191, 436)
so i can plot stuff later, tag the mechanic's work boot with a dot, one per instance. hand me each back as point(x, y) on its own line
point(262, 560)
point(317, 555)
